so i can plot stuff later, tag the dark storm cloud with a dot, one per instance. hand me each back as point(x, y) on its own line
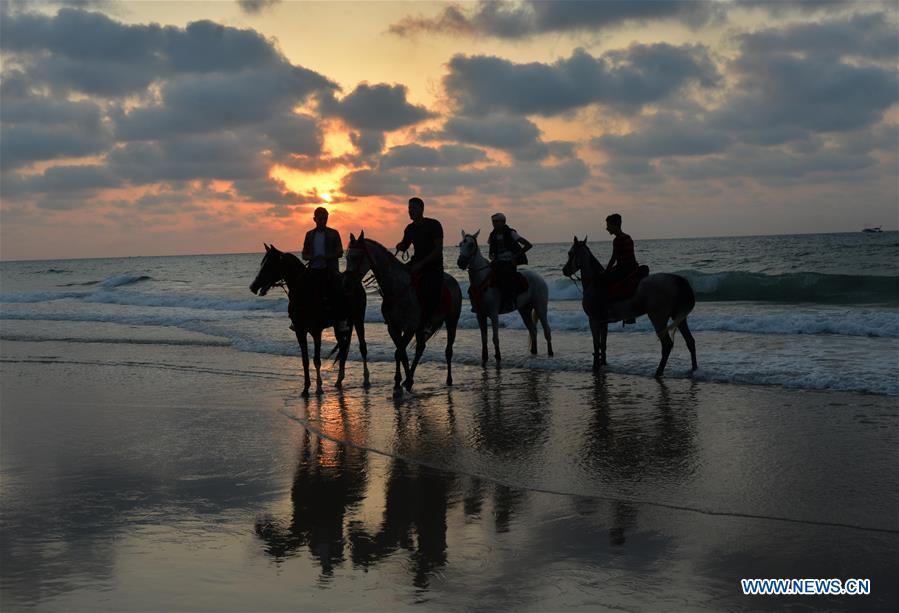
point(255, 7)
point(37, 127)
point(626, 80)
point(379, 107)
point(225, 156)
point(517, 136)
point(418, 155)
point(293, 134)
point(215, 101)
point(788, 84)
point(368, 142)
point(514, 20)
point(91, 53)
point(665, 135)
point(871, 36)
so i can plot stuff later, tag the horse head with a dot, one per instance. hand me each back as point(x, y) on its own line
point(268, 271)
point(468, 248)
point(579, 258)
point(358, 260)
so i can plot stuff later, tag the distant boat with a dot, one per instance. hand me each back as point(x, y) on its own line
point(876, 230)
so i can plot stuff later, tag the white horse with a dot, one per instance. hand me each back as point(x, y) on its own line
point(532, 304)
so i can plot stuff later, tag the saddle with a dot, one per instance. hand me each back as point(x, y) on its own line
point(476, 293)
point(445, 303)
point(626, 287)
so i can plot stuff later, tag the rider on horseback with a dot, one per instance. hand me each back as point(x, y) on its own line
point(323, 248)
point(507, 251)
point(426, 235)
point(623, 263)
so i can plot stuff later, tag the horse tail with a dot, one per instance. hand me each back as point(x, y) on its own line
point(334, 352)
point(684, 304)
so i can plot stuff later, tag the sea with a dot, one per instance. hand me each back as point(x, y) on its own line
point(812, 311)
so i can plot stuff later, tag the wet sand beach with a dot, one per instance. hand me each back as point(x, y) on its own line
point(154, 476)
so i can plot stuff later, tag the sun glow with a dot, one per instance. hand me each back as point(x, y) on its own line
point(323, 184)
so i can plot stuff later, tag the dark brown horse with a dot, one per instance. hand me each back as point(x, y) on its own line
point(308, 316)
point(663, 297)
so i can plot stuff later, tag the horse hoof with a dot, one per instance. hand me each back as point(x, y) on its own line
point(550, 353)
point(319, 391)
point(408, 386)
point(366, 384)
point(305, 393)
point(338, 385)
point(449, 380)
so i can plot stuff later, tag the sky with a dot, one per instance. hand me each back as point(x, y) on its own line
point(163, 128)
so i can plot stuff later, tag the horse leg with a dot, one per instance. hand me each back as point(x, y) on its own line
point(530, 324)
point(450, 340)
point(304, 350)
point(482, 324)
point(494, 323)
point(363, 349)
point(660, 323)
point(547, 333)
point(317, 360)
point(599, 351)
point(420, 342)
point(343, 349)
point(691, 342)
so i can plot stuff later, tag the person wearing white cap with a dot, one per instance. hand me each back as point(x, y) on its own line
point(507, 251)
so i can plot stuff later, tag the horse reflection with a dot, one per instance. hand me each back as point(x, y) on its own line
point(330, 479)
point(416, 503)
point(638, 447)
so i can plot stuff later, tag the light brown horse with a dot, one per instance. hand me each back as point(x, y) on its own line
point(663, 297)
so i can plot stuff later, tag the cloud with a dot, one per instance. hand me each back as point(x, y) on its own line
point(413, 155)
point(223, 156)
point(37, 127)
point(625, 80)
point(787, 85)
point(665, 134)
point(379, 107)
point(516, 20)
point(216, 101)
point(255, 7)
point(91, 53)
point(523, 179)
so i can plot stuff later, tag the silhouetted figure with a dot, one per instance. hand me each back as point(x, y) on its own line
point(323, 249)
point(623, 262)
point(426, 235)
point(507, 251)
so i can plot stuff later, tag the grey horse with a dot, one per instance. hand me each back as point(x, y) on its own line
point(532, 304)
point(663, 297)
point(400, 305)
point(307, 315)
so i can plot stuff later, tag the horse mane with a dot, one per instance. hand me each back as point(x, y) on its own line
point(599, 268)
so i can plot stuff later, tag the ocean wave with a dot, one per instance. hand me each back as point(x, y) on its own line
point(35, 297)
point(121, 280)
point(54, 271)
point(794, 287)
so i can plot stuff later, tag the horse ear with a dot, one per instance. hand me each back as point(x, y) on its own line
point(585, 238)
point(361, 235)
point(352, 238)
point(463, 233)
point(575, 239)
point(266, 247)
point(476, 233)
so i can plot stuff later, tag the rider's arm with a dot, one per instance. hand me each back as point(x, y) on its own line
point(338, 252)
point(525, 244)
point(403, 245)
point(307, 248)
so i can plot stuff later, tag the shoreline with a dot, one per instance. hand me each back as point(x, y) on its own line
point(202, 468)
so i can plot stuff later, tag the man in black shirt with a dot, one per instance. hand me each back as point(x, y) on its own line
point(426, 235)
